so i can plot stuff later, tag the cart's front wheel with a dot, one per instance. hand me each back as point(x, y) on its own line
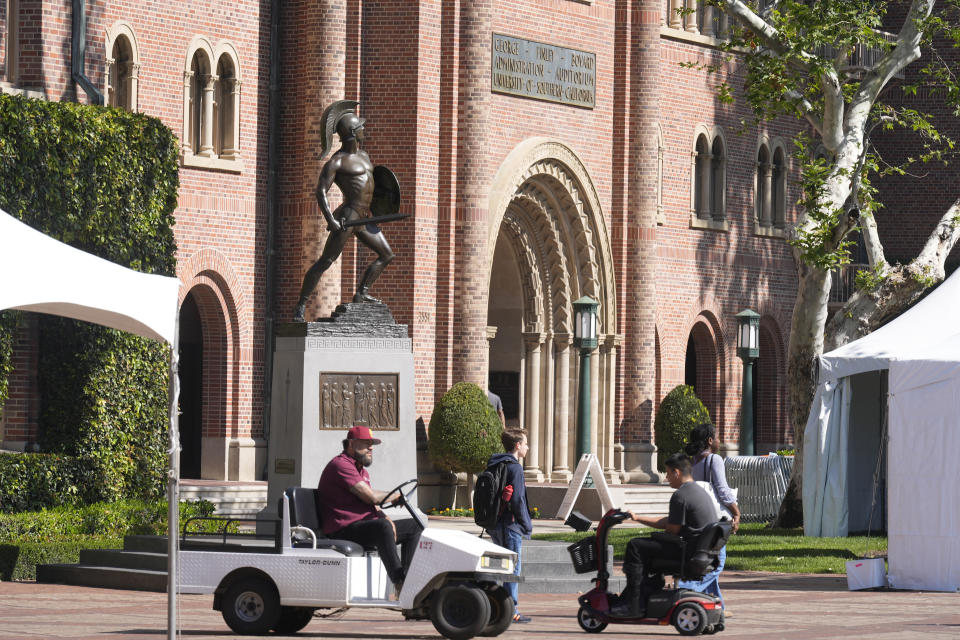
point(460, 611)
point(588, 623)
point(293, 619)
point(251, 607)
point(690, 619)
point(501, 612)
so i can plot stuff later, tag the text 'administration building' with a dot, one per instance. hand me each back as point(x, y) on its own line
point(546, 150)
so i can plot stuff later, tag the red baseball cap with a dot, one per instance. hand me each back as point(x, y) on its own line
point(359, 432)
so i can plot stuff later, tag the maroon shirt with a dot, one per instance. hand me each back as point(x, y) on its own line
point(338, 505)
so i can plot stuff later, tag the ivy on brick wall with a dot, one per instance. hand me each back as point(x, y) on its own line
point(105, 181)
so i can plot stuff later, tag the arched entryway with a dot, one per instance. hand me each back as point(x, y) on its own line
point(701, 367)
point(548, 247)
point(191, 388)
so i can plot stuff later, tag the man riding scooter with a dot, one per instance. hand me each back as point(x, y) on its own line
point(691, 509)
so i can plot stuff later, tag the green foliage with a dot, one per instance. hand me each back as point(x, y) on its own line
point(8, 328)
point(786, 452)
point(679, 413)
point(105, 181)
point(869, 280)
point(58, 535)
point(30, 481)
point(464, 430)
point(105, 402)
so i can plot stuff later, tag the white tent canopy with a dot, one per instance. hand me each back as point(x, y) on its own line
point(909, 370)
point(44, 275)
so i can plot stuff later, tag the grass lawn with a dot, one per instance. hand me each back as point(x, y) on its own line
point(756, 548)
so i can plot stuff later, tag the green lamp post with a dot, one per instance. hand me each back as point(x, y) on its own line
point(748, 348)
point(585, 339)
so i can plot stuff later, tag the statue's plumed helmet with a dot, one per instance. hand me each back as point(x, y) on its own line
point(339, 117)
point(347, 124)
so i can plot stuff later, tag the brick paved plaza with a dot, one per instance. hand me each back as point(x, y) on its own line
point(765, 605)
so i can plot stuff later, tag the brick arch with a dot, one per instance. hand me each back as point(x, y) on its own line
point(209, 276)
point(707, 374)
point(550, 172)
point(771, 417)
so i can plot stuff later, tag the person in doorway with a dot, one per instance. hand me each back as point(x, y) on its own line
point(349, 511)
point(691, 509)
point(498, 406)
point(514, 523)
point(702, 448)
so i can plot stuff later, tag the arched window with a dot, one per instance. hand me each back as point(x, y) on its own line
point(762, 178)
point(702, 190)
point(779, 187)
point(123, 67)
point(709, 184)
point(718, 179)
point(211, 107)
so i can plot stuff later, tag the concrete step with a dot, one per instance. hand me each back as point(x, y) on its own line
point(107, 577)
point(239, 499)
point(147, 544)
point(650, 500)
point(580, 584)
point(124, 559)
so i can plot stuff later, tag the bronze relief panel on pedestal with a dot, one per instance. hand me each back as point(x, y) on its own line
point(348, 399)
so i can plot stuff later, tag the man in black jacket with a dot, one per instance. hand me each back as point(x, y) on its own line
point(514, 523)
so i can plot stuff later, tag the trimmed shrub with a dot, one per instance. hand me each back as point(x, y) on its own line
point(104, 181)
point(679, 413)
point(464, 430)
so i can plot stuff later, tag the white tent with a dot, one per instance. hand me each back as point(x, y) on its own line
point(43, 275)
point(906, 375)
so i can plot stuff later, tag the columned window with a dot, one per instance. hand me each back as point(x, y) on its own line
point(123, 67)
point(709, 180)
point(770, 188)
point(211, 107)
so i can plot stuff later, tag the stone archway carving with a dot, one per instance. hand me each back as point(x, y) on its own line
point(544, 204)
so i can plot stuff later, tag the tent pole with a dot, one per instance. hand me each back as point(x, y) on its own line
point(173, 488)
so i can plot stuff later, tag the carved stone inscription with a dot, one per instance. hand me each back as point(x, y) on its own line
point(348, 399)
point(543, 71)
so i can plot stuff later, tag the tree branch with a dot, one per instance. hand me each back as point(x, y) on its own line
point(871, 241)
point(941, 241)
point(833, 110)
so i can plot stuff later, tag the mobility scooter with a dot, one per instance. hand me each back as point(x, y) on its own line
point(691, 612)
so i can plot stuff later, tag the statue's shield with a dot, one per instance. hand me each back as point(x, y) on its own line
point(386, 192)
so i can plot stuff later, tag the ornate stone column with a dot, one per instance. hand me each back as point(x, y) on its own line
point(230, 121)
point(675, 19)
point(608, 349)
point(561, 413)
point(708, 21)
point(133, 86)
point(186, 144)
point(532, 343)
point(206, 131)
point(690, 20)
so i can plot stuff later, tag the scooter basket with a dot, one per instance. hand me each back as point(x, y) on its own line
point(584, 555)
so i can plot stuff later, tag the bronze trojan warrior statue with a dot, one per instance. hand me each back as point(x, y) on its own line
point(366, 190)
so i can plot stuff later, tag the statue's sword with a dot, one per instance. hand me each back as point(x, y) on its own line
point(375, 219)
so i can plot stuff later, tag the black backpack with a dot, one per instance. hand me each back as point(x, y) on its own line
point(487, 494)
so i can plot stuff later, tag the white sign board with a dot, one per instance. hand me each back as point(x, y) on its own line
point(588, 464)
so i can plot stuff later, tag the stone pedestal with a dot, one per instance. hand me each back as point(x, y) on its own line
point(355, 367)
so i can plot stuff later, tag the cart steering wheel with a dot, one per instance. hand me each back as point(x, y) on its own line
point(403, 499)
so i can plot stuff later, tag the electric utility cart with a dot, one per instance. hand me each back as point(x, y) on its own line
point(454, 579)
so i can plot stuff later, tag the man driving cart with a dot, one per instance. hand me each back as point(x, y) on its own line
point(349, 511)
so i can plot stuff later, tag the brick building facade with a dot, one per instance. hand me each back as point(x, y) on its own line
point(649, 195)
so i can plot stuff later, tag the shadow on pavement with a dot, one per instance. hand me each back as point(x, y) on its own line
point(783, 582)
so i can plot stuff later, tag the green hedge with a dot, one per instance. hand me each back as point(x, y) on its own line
point(30, 481)
point(679, 413)
point(105, 181)
point(58, 535)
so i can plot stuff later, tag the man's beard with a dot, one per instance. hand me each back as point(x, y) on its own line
point(366, 459)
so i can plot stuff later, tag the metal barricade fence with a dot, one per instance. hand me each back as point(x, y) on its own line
point(761, 483)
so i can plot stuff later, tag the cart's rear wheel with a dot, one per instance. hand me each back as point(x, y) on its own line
point(501, 612)
point(690, 619)
point(293, 619)
point(460, 611)
point(588, 623)
point(251, 607)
